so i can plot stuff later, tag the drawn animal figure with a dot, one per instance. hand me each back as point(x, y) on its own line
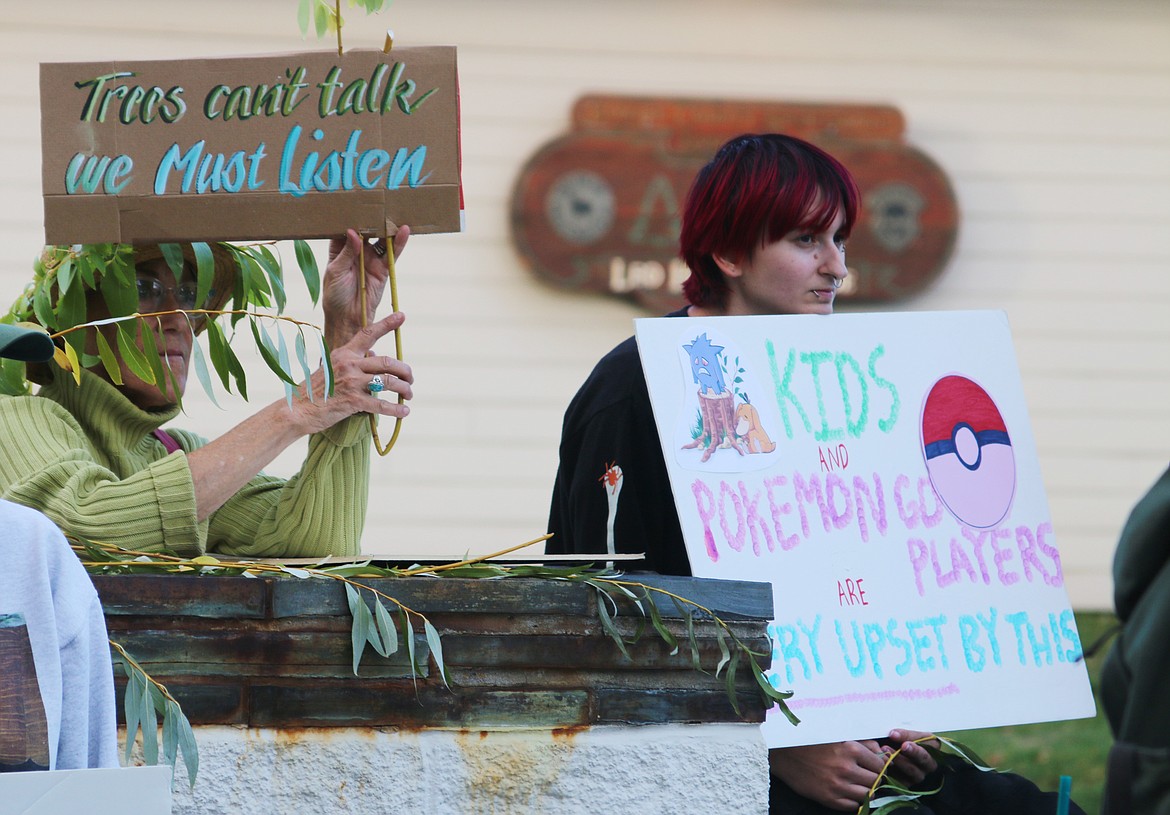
point(749, 429)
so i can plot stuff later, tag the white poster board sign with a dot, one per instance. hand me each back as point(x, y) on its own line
point(112, 791)
point(880, 470)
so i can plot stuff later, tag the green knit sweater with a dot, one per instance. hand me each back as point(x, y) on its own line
point(86, 457)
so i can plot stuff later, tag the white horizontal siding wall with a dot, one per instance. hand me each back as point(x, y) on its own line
point(1052, 120)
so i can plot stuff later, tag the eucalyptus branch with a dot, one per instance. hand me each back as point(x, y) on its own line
point(886, 795)
point(471, 561)
point(325, 15)
point(140, 355)
point(145, 698)
point(133, 663)
point(187, 313)
point(729, 658)
point(207, 564)
point(377, 629)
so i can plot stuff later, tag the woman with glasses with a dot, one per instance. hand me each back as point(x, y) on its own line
point(94, 457)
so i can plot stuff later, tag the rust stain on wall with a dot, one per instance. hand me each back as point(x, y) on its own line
point(511, 772)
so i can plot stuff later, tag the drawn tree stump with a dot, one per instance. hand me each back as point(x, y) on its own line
point(718, 414)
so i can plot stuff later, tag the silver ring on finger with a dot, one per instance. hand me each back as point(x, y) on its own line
point(380, 248)
point(376, 385)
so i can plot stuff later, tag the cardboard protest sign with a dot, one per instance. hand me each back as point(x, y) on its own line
point(880, 470)
point(299, 145)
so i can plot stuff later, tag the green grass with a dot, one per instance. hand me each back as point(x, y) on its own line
point(1045, 752)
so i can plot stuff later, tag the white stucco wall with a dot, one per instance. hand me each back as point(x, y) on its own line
point(713, 768)
point(1051, 117)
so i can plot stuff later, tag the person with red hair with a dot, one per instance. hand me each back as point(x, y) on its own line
point(764, 228)
point(763, 232)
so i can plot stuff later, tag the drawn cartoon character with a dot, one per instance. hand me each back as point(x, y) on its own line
point(716, 424)
point(749, 429)
point(705, 367)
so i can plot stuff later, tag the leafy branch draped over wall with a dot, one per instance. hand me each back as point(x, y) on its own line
point(385, 624)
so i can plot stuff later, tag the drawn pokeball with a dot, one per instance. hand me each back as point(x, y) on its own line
point(968, 452)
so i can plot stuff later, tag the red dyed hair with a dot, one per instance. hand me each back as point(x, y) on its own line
point(754, 191)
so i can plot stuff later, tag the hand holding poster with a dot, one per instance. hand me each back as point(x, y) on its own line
point(296, 145)
point(880, 470)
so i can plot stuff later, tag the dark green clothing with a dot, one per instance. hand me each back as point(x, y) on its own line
point(1136, 673)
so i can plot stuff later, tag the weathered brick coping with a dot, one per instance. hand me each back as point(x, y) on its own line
point(521, 652)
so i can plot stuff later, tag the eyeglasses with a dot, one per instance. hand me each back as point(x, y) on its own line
point(152, 293)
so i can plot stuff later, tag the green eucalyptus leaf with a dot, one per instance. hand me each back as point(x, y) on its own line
point(150, 349)
point(131, 706)
point(321, 18)
point(360, 632)
point(724, 653)
point(173, 254)
point(204, 272)
point(966, 753)
point(271, 266)
point(302, 358)
point(121, 296)
point(218, 348)
point(607, 623)
point(118, 264)
point(255, 281)
point(109, 359)
point(385, 627)
point(688, 616)
point(201, 371)
point(43, 309)
point(267, 352)
point(65, 275)
point(408, 634)
point(132, 355)
point(236, 370)
point(188, 746)
point(327, 366)
point(772, 694)
point(282, 355)
point(243, 280)
point(303, 11)
point(630, 594)
point(85, 266)
point(910, 803)
point(170, 735)
point(732, 667)
point(71, 357)
point(436, 647)
point(307, 262)
point(149, 723)
point(660, 627)
point(71, 307)
point(639, 630)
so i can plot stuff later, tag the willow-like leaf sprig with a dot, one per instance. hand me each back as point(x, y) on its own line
point(144, 701)
point(325, 15)
point(146, 362)
point(67, 280)
point(887, 795)
point(374, 628)
point(373, 612)
point(641, 595)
